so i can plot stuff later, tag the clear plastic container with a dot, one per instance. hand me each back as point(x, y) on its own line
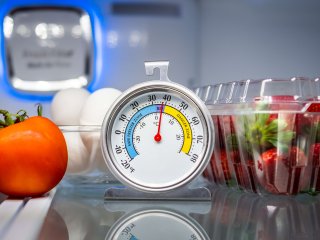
point(267, 135)
point(86, 165)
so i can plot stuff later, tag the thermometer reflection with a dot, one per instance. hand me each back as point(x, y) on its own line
point(157, 224)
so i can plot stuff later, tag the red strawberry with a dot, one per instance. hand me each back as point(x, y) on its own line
point(228, 124)
point(270, 136)
point(206, 174)
point(315, 122)
point(270, 156)
point(294, 158)
point(276, 98)
point(274, 102)
point(315, 153)
point(277, 103)
point(268, 166)
point(314, 107)
point(219, 159)
point(242, 177)
point(252, 175)
point(223, 160)
point(282, 98)
point(282, 170)
point(229, 151)
point(303, 124)
point(219, 135)
point(272, 117)
point(284, 103)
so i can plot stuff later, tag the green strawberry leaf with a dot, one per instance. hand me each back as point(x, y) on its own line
point(262, 106)
point(282, 147)
point(263, 133)
point(281, 123)
point(232, 142)
point(262, 119)
point(286, 136)
point(315, 128)
point(272, 127)
point(273, 141)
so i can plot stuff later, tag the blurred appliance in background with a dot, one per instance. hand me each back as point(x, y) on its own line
point(50, 45)
point(47, 49)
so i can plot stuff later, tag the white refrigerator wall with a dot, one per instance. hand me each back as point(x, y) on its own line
point(132, 39)
point(254, 39)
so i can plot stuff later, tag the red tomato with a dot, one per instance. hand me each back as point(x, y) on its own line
point(33, 157)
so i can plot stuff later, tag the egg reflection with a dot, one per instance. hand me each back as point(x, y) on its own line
point(54, 227)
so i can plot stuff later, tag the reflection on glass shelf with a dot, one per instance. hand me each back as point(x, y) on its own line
point(230, 215)
point(237, 215)
point(158, 224)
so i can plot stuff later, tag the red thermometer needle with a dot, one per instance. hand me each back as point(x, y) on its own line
point(157, 137)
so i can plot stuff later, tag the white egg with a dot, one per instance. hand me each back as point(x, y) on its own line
point(97, 105)
point(78, 155)
point(78, 217)
point(65, 110)
point(93, 113)
point(67, 105)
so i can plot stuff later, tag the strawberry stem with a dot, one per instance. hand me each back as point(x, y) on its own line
point(262, 131)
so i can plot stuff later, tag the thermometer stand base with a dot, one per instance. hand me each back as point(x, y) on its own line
point(181, 194)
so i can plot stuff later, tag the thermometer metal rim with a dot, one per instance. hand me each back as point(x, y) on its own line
point(121, 223)
point(135, 91)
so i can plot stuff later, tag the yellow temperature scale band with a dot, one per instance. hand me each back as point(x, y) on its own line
point(187, 132)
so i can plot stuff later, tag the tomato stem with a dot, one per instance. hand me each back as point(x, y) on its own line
point(10, 119)
point(20, 116)
point(2, 124)
point(7, 118)
point(39, 109)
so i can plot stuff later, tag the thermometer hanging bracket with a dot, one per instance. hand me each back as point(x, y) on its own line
point(161, 65)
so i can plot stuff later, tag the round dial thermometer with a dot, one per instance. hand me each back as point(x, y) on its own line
point(157, 136)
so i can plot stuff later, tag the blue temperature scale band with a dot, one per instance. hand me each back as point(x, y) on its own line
point(128, 135)
point(133, 238)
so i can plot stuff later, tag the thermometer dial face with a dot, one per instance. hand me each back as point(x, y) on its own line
point(157, 138)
